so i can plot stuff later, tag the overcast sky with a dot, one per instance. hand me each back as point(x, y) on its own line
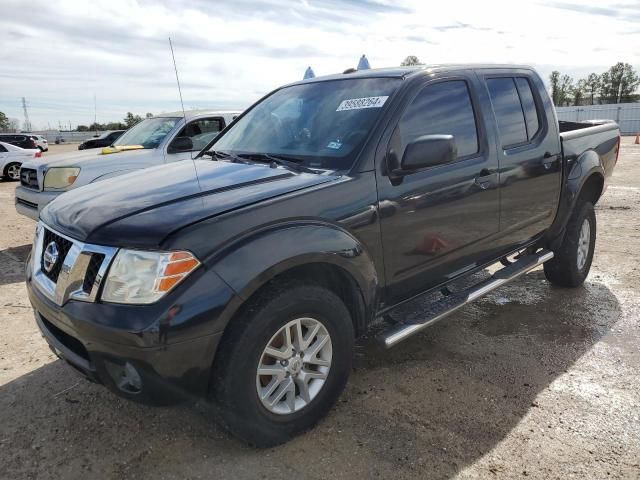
point(57, 54)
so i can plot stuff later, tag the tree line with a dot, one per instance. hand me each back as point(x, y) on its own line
point(616, 85)
point(11, 124)
point(129, 121)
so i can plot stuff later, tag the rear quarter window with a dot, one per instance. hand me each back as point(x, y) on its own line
point(531, 114)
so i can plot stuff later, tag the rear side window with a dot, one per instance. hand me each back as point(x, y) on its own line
point(528, 106)
point(2, 149)
point(442, 108)
point(508, 111)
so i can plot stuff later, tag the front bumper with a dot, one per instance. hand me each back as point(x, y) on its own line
point(101, 342)
point(29, 202)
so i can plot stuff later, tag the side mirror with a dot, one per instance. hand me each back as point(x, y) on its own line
point(181, 144)
point(428, 151)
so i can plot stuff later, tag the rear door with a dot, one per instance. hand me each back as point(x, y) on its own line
point(529, 155)
point(437, 222)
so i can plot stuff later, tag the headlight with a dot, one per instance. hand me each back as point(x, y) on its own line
point(142, 277)
point(60, 177)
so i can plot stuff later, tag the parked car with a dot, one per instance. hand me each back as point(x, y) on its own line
point(22, 140)
point(104, 140)
point(245, 276)
point(41, 143)
point(154, 141)
point(11, 157)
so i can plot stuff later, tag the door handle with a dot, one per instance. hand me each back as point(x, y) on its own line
point(548, 159)
point(484, 179)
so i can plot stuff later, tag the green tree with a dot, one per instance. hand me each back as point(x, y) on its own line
point(149, 115)
point(4, 122)
point(410, 61)
point(130, 120)
point(619, 83)
point(554, 81)
point(82, 128)
point(592, 87)
point(577, 91)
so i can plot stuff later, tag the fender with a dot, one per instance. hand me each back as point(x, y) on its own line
point(580, 171)
point(251, 262)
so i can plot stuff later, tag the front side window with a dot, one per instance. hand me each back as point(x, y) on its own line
point(508, 111)
point(202, 131)
point(319, 124)
point(149, 133)
point(441, 108)
point(2, 149)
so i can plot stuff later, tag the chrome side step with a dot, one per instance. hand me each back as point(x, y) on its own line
point(454, 301)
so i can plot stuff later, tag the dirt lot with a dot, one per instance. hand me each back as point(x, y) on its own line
point(532, 381)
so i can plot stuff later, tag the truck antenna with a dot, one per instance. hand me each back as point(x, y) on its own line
point(175, 67)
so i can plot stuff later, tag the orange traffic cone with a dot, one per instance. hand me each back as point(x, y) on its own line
point(637, 142)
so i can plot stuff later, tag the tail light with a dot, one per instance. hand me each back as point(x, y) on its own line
point(38, 154)
point(618, 149)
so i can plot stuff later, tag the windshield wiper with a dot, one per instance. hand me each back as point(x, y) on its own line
point(290, 164)
point(218, 154)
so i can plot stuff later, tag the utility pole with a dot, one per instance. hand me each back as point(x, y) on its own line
point(95, 113)
point(27, 122)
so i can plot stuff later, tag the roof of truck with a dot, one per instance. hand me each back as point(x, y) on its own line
point(401, 72)
point(198, 113)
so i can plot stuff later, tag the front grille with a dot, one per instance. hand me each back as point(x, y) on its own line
point(92, 271)
point(29, 178)
point(63, 245)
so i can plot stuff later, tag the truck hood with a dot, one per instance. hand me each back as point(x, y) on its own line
point(92, 162)
point(141, 209)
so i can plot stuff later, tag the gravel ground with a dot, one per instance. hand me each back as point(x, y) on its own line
point(531, 381)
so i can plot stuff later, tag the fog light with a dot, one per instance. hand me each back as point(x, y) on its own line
point(130, 380)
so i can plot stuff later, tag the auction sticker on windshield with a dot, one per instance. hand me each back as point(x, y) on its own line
point(359, 103)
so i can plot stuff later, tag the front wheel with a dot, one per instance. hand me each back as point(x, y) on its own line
point(572, 261)
point(12, 171)
point(284, 363)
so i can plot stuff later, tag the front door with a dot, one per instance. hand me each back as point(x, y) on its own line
point(436, 223)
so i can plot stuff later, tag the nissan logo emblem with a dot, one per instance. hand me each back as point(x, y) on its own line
point(50, 257)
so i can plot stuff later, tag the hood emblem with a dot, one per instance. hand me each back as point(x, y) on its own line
point(50, 256)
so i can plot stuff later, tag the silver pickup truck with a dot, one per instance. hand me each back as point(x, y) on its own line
point(165, 138)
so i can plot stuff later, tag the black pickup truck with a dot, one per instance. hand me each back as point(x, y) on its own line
point(245, 276)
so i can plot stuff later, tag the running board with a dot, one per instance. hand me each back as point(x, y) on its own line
point(455, 301)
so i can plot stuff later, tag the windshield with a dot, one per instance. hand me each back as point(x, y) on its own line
point(321, 125)
point(148, 133)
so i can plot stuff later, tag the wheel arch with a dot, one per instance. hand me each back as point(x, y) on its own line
point(585, 181)
point(320, 253)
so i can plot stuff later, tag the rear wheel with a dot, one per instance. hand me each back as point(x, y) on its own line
point(12, 171)
point(572, 261)
point(283, 364)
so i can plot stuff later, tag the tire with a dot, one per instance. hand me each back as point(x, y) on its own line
point(235, 380)
point(572, 261)
point(12, 171)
